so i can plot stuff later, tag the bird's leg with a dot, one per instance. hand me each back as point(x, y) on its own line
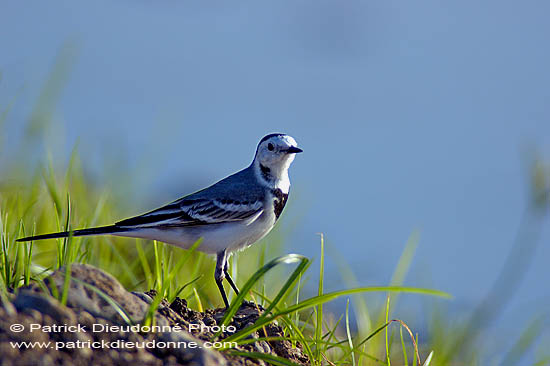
point(219, 274)
point(228, 277)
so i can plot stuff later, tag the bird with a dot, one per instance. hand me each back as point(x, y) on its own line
point(228, 216)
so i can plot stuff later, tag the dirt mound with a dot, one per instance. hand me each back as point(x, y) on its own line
point(90, 329)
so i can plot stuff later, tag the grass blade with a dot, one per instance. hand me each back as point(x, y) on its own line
point(311, 302)
point(387, 322)
point(405, 358)
point(348, 333)
point(319, 312)
point(289, 258)
point(428, 359)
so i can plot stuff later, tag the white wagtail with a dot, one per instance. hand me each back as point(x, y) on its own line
point(229, 215)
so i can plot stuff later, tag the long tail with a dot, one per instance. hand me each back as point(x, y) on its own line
point(83, 232)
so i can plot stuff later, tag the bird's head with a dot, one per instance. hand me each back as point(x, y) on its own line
point(274, 155)
point(276, 149)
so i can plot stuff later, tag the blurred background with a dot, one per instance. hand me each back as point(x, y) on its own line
point(422, 122)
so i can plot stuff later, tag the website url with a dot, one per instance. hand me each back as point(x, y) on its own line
point(121, 344)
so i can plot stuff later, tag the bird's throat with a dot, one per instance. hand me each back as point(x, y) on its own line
point(266, 173)
point(275, 179)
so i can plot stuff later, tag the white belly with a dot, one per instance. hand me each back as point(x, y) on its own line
point(215, 237)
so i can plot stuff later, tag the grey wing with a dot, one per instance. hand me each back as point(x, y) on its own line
point(201, 211)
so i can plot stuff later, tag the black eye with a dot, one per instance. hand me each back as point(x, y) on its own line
point(270, 146)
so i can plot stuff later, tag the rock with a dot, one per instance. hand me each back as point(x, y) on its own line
point(83, 293)
point(185, 355)
point(86, 308)
point(45, 304)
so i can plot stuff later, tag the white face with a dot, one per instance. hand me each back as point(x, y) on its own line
point(277, 151)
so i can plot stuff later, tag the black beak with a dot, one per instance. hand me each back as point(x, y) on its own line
point(293, 150)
